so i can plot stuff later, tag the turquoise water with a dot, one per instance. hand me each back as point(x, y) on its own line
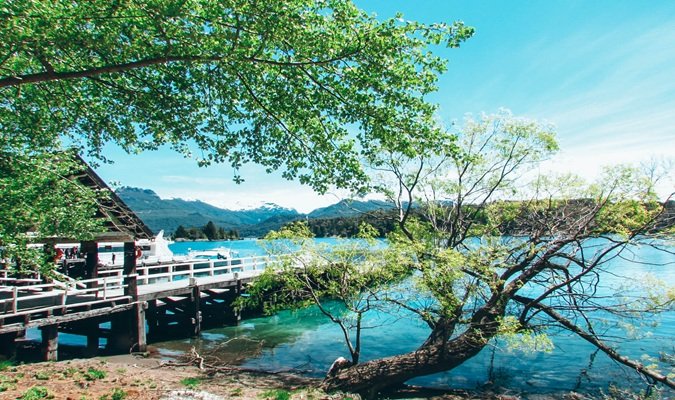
point(306, 342)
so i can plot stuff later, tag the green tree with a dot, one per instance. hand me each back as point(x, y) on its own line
point(195, 233)
point(180, 232)
point(266, 82)
point(210, 231)
point(42, 198)
point(275, 83)
point(472, 282)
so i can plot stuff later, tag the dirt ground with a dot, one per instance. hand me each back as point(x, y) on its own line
point(129, 378)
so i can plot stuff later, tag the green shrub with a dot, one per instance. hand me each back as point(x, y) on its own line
point(42, 376)
point(116, 394)
point(36, 393)
point(70, 372)
point(6, 364)
point(276, 394)
point(191, 383)
point(93, 374)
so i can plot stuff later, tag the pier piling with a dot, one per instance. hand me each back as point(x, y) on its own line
point(50, 342)
point(196, 314)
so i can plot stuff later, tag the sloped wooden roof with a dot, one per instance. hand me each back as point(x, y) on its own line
point(121, 222)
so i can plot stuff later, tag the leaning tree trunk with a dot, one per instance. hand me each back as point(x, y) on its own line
point(437, 354)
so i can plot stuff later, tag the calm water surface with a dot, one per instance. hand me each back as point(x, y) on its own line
point(305, 341)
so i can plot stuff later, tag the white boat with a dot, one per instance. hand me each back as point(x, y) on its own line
point(219, 253)
point(155, 251)
point(148, 252)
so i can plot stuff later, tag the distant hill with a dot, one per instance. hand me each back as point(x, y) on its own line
point(341, 219)
point(349, 208)
point(168, 214)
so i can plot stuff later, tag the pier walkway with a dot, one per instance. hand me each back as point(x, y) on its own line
point(154, 297)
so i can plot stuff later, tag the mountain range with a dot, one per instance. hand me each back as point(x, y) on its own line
point(168, 214)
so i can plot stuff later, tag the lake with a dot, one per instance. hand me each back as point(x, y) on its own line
point(306, 342)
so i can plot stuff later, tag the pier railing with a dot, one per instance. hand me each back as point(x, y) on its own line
point(55, 298)
point(182, 270)
point(110, 284)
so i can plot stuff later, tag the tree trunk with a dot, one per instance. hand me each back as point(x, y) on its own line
point(437, 354)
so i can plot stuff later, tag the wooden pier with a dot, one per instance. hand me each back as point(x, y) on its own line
point(126, 305)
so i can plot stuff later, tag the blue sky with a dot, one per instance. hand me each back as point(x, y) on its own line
point(603, 72)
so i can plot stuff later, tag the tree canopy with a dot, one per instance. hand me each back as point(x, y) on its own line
point(40, 198)
point(306, 87)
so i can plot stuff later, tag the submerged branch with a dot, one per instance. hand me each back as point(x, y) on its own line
point(594, 340)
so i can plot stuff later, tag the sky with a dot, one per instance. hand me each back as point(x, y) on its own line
point(602, 72)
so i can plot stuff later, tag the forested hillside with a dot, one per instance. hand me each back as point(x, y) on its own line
point(168, 214)
point(340, 219)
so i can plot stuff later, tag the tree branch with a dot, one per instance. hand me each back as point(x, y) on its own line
point(613, 354)
point(51, 75)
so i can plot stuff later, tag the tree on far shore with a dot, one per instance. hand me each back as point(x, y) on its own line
point(209, 231)
point(180, 232)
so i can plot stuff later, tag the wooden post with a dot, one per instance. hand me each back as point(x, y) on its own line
point(8, 344)
point(130, 275)
point(90, 251)
point(232, 314)
point(138, 334)
point(129, 258)
point(196, 316)
point(50, 342)
point(120, 340)
point(236, 311)
point(92, 343)
point(151, 317)
point(15, 299)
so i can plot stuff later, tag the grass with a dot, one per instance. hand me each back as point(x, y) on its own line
point(94, 374)
point(6, 364)
point(191, 383)
point(7, 383)
point(116, 394)
point(70, 372)
point(276, 394)
point(36, 393)
point(42, 376)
